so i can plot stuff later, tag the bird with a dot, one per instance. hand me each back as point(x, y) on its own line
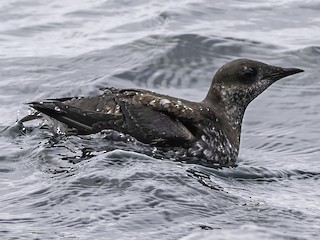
point(208, 130)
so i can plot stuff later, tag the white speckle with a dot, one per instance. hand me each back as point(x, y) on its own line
point(41, 102)
point(58, 130)
point(154, 150)
point(152, 103)
point(98, 110)
point(165, 101)
point(56, 108)
point(207, 153)
point(84, 114)
point(18, 113)
point(190, 109)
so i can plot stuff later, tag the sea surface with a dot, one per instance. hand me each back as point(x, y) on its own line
point(59, 187)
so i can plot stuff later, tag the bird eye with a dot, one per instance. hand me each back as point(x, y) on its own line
point(248, 73)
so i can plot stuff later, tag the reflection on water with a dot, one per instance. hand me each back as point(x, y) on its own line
point(92, 187)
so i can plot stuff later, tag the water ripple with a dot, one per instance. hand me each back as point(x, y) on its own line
point(54, 187)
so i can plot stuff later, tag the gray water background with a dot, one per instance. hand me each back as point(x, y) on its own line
point(55, 189)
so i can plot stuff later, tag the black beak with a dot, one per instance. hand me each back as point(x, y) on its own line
point(277, 73)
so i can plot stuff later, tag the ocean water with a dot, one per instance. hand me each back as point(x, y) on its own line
point(92, 188)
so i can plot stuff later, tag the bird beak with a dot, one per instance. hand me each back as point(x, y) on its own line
point(277, 73)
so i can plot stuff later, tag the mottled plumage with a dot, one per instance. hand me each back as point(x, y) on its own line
point(208, 130)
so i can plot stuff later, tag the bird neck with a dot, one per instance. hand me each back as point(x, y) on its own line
point(230, 106)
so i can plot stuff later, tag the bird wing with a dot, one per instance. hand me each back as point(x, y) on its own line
point(82, 120)
point(155, 127)
point(177, 108)
point(147, 116)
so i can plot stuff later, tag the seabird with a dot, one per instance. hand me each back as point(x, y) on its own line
point(208, 130)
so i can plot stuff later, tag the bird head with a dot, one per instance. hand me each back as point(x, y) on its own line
point(242, 80)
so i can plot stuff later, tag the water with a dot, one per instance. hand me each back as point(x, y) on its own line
point(94, 188)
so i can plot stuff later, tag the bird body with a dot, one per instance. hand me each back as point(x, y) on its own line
point(208, 130)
